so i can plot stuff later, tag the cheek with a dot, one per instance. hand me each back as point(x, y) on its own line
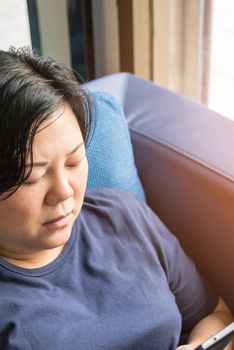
point(22, 210)
point(29, 207)
point(80, 180)
point(79, 185)
point(19, 220)
point(86, 168)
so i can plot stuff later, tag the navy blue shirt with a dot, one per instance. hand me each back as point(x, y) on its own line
point(121, 282)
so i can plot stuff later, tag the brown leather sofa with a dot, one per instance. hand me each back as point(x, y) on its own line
point(185, 158)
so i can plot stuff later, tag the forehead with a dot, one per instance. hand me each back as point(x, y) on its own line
point(59, 133)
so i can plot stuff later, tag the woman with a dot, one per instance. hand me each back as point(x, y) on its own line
point(81, 269)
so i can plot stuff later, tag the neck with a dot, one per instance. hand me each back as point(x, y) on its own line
point(34, 260)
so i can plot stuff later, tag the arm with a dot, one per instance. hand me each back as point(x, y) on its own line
point(218, 319)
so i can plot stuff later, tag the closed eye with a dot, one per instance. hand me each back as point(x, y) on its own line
point(72, 165)
point(75, 164)
point(31, 182)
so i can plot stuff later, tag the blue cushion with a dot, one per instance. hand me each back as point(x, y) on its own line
point(110, 154)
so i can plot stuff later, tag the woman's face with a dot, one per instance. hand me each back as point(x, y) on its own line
point(39, 216)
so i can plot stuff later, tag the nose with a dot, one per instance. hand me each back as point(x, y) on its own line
point(60, 189)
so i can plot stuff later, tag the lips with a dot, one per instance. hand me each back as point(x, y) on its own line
point(59, 222)
point(56, 219)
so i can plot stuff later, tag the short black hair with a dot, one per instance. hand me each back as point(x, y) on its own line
point(32, 87)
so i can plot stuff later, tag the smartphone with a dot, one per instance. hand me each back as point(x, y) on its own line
point(219, 340)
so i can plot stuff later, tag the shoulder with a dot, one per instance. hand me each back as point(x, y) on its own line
point(112, 210)
point(113, 215)
point(119, 204)
point(123, 212)
point(115, 203)
point(110, 215)
point(109, 196)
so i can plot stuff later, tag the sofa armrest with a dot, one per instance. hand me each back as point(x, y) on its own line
point(185, 158)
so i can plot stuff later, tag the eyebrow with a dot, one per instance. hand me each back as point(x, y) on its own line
point(42, 164)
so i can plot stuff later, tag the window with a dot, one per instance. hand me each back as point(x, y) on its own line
point(221, 83)
point(14, 26)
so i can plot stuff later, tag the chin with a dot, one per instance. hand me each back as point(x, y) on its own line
point(57, 238)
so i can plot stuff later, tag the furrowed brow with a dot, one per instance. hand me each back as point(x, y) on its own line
point(43, 164)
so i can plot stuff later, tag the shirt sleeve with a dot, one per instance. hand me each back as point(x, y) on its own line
point(194, 296)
